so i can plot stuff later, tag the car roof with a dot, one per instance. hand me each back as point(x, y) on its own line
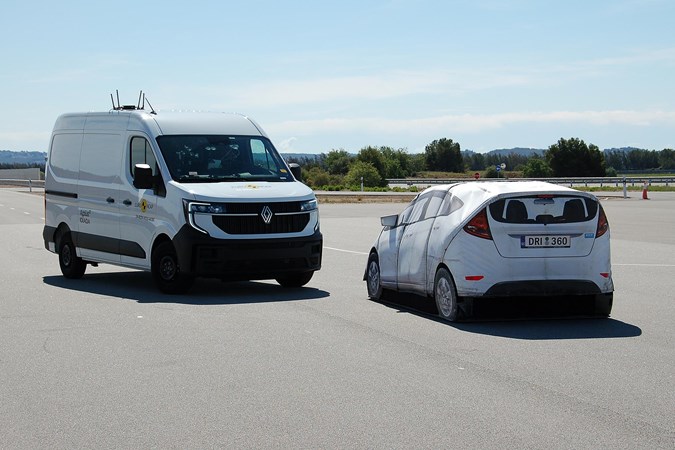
point(475, 194)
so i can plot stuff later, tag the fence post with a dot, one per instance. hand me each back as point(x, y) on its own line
point(625, 195)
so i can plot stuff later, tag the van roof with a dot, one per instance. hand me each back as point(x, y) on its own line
point(206, 123)
point(165, 123)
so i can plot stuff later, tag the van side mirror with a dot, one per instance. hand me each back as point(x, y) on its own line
point(143, 178)
point(389, 221)
point(296, 170)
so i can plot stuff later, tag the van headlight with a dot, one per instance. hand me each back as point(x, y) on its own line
point(308, 205)
point(193, 208)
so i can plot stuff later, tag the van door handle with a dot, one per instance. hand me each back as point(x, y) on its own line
point(127, 202)
point(110, 200)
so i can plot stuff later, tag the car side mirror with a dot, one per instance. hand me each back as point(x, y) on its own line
point(296, 170)
point(389, 221)
point(143, 176)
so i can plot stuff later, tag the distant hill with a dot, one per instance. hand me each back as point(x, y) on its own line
point(518, 151)
point(28, 158)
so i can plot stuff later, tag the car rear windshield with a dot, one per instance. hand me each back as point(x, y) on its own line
point(544, 209)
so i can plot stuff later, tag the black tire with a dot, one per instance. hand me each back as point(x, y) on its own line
point(373, 277)
point(445, 295)
point(603, 304)
point(294, 280)
point(166, 271)
point(72, 266)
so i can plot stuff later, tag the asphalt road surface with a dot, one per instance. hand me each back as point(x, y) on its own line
point(108, 362)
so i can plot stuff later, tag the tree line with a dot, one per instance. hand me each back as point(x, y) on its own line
point(571, 157)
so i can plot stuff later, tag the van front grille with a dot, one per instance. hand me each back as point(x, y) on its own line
point(262, 218)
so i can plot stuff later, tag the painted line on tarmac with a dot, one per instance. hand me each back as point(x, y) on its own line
point(345, 251)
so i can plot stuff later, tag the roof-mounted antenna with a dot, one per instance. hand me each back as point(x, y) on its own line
point(152, 110)
point(112, 100)
point(118, 99)
point(140, 94)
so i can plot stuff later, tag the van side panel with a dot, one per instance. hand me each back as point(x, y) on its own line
point(98, 195)
point(61, 176)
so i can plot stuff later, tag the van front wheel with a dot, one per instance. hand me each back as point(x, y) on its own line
point(295, 279)
point(72, 266)
point(166, 271)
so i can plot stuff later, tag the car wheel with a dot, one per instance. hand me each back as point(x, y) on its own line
point(445, 295)
point(166, 271)
point(373, 280)
point(295, 280)
point(72, 266)
point(603, 304)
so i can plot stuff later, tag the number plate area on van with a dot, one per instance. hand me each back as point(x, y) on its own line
point(545, 241)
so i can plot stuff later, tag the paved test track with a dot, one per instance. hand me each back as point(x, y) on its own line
point(107, 361)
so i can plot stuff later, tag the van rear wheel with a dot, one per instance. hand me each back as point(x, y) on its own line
point(72, 266)
point(166, 271)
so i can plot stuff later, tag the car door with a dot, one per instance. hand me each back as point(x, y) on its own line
point(413, 249)
point(387, 248)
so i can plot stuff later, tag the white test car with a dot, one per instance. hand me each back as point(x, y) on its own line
point(459, 242)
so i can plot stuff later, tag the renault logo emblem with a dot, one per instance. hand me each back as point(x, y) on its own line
point(266, 214)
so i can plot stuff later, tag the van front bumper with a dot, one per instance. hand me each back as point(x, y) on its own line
point(246, 259)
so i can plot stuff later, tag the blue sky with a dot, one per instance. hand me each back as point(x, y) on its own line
point(320, 76)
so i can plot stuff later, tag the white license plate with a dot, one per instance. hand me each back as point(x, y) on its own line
point(541, 241)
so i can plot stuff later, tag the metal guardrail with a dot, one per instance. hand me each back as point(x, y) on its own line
point(571, 181)
point(30, 183)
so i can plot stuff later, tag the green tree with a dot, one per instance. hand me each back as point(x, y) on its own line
point(444, 155)
point(573, 158)
point(373, 156)
point(536, 167)
point(667, 159)
point(316, 177)
point(338, 161)
point(371, 177)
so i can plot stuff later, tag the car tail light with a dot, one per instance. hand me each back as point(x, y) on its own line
point(479, 226)
point(603, 224)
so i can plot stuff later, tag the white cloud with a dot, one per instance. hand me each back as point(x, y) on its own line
point(469, 123)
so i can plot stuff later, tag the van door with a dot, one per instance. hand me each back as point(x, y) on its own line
point(138, 211)
point(98, 197)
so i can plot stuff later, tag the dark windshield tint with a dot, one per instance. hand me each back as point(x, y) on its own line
point(544, 209)
point(205, 158)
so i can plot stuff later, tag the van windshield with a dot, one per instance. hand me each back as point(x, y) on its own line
point(215, 158)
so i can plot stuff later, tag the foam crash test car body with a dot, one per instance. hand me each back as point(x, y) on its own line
point(459, 242)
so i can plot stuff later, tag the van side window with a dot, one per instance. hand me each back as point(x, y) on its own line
point(141, 153)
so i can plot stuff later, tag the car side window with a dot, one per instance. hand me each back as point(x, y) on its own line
point(451, 203)
point(419, 208)
point(404, 217)
point(434, 204)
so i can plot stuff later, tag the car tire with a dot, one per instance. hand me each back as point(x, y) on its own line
point(72, 266)
point(603, 304)
point(445, 295)
point(166, 270)
point(373, 277)
point(295, 280)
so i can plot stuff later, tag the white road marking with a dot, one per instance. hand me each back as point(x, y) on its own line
point(345, 251)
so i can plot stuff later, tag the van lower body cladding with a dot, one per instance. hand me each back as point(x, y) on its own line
point(246, 259)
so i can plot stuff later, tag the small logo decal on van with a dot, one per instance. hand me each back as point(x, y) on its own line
point(266, 214)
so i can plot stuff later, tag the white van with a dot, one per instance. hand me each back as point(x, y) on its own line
point(182, 195)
